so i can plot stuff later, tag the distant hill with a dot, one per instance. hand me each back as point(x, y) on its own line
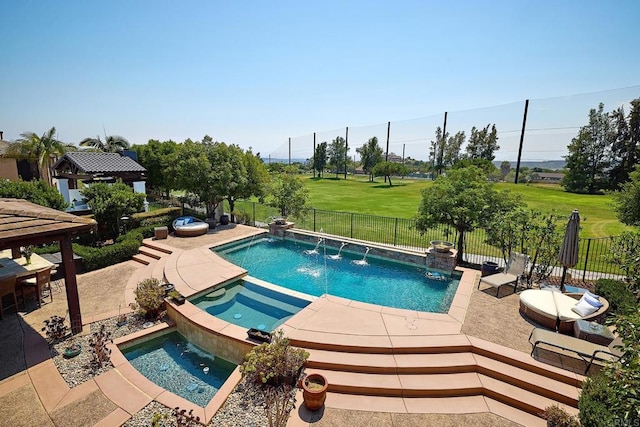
point(543, 164)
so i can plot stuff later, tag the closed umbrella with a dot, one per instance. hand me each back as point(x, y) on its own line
point(568, 256)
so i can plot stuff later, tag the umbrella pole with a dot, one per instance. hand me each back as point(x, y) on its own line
point(564, 275)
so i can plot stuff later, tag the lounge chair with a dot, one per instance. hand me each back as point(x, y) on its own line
point(587, 351)
point(514, 272)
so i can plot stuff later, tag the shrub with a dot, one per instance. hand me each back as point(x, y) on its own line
point(149, 297)
point(96, 258)
point(274, 363)
point(55, 329)
point(621, 299)
point(594, 402)
point(558, 417)
point(158, 217)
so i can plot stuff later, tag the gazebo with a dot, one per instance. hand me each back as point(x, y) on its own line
point(23, 223)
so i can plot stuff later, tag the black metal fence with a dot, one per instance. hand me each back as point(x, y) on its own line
point(401, 233)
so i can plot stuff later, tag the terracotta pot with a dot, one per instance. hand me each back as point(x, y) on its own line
point(314, 391)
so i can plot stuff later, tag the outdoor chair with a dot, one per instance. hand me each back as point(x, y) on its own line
point(8, 287)
point(589, 352)
point(513, 274)
point(38, 283)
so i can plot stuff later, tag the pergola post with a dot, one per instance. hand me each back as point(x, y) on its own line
point(73, 299)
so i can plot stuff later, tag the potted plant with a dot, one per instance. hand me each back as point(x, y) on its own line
point(121, 320)
point(314, 391)
point(55, 329)
point(72, 349)
point(176, 297)
point(274, 363)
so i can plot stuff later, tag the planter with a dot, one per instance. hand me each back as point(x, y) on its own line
point(178, 300)
point(168, 287)
point(258, 335)
point(314, 391)
point(121, 322)
point(70, 352)
point(441, 245)
point(489, 267)
point(224, 219)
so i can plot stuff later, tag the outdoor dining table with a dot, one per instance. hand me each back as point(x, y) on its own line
point(19, 267)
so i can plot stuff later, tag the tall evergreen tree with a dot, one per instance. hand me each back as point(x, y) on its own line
point(625, 152)
point(589, 154)
point(483, 143)
point(370, 155)
point(445, 150)
point(41, 150)
point(337, 153)
point(320, 158)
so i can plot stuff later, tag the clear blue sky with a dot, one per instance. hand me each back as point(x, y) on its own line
point(257, 72)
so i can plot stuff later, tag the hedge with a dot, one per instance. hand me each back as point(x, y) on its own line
point(621, 299)
point(159, 217)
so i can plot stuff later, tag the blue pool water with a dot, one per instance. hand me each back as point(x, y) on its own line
point(289, 264)
point(179, 366)
point(249, 305)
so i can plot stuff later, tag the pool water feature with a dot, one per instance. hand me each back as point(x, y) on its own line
point(175, 364)
point(370, 279)
point(250, 305)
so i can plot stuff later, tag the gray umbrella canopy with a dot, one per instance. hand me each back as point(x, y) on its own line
point(568, 256)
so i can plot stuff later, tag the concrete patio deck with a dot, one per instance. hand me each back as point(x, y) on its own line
point(35, 389)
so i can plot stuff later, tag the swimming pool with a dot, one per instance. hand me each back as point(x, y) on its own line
point(179, 366)
point(250, 305)
point(296, 265)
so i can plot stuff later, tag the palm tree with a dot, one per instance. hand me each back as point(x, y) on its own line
point(38, 149)
point(112, 143)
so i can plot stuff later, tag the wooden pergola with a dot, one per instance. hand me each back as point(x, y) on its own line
point(23, 223)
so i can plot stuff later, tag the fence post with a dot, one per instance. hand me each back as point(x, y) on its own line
point(254, 213)
point(351, 233)
point(395, 233)
point(586, 260)
point(314, 220)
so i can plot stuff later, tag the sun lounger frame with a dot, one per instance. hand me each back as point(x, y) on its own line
point(587, 351)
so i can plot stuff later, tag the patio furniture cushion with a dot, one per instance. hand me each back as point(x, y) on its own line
point(565, 305)
point(540, 302)
point(583, 308)
point(591, 300)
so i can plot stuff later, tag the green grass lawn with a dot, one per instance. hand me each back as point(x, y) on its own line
point(355, 194)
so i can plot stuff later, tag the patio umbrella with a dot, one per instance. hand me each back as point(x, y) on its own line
point(568, 256)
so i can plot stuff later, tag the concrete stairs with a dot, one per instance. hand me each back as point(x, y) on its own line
point(150, 251)
point(441, 377)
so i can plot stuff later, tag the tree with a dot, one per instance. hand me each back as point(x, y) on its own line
point(38, 149)
point(289, 195)
point(625, 151)
point(159, 158)
point(370, 155)
point(253, 183)
point(37, 192)
point(337, 153)
point(110, 202)
point(445, 150)
point(627, 200)
point(508, 232)
point(111, 144)
point(464, 200)
point(483, 143)
point(320, 158)
point(588, 157)
point(505, 168)
point(210, 170)
point(387, 169)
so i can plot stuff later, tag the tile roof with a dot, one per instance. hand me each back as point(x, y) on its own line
point(91, 162)
point(21, 220)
